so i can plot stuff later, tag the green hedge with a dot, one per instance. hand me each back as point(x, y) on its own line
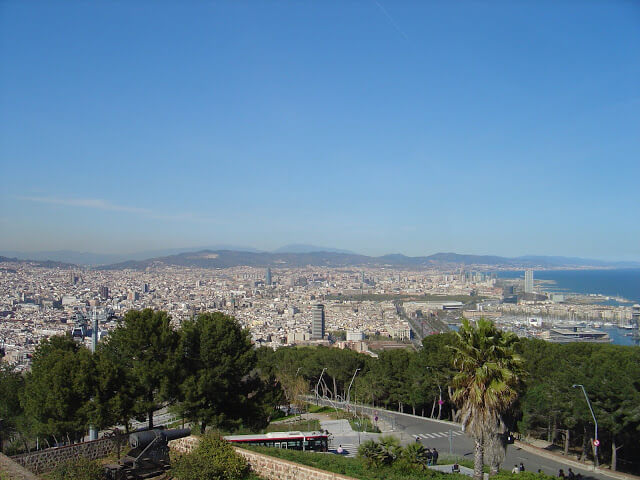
point(78, 469)
point(352, 467)
point(212, 459)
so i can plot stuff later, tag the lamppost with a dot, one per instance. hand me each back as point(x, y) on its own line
point(596, 442)
point(318, 384)
point(349, 389)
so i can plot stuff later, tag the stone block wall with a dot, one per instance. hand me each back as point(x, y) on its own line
point(279, 469)
point(184, 445)
point(45, 460)
point(13, 471)
point(266, 466)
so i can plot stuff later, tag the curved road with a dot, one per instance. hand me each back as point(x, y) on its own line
point(435, 433)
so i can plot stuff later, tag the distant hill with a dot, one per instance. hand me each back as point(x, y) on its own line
point(295, 255)
point(38, 263)
point(230, 258)
point(302, 248)
point(91, 258)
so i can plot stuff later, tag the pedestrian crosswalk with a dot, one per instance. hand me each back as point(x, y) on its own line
point(439, 434)
point(348, 449)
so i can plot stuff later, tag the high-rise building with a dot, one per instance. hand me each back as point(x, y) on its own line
point(528, 281)
point(145, 288)
point(267, 277)
point(317, 322)
point(635, 315)
point(104, 292)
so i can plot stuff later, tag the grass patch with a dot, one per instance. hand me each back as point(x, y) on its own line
point(363, 425)
point(320, 409)
point(353, 467)
point(303, 425)
point(358, 423)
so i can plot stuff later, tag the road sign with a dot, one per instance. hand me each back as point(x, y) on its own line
point(596, 443)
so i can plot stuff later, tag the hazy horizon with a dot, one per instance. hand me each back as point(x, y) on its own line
point(145, 254)
point(377, 127)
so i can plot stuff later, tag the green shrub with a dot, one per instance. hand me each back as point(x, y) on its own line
point(212, 459)
point(353, 467)
point(78, 469)
point(413, 457)
point(371, 453)
point(391, 449)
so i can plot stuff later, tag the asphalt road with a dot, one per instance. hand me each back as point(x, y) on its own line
point(434, 433)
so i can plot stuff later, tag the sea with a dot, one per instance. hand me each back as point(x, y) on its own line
point(623, 283)
point(619, 283)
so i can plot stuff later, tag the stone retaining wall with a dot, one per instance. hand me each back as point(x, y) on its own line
point(13, 471)
point(266, 466)
point(279, 469)
point(45, 460)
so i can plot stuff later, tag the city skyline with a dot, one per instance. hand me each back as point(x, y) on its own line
point(374, 127)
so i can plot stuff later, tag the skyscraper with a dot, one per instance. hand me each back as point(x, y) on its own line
point(104, 292)
point(317, 322)
point(635, 315)
point(267, 277)
point(528, 281)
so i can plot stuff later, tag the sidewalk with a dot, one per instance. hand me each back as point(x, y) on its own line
point(389, 427)
point(572, 462)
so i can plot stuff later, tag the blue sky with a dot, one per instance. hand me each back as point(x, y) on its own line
point(376, 126)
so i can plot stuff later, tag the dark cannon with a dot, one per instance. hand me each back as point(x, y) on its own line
point(148, 457)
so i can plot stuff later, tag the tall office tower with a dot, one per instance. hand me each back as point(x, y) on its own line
point(635, 315)
point(145, 288)
point(267, 277)
point(104, 292)
point(528, 281)
point(317, 322)
point(362, 278)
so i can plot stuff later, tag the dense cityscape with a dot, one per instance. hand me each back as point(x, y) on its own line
point(276, 305)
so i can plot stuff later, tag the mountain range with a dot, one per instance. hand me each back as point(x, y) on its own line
point(297, 255)
point(90, 258)
point(229, 258)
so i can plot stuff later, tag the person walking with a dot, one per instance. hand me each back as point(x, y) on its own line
point(434, 456)
point(429, 456)
point(561, 474)
point(570, 474)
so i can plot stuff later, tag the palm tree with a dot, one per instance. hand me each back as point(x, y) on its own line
point(485, 385)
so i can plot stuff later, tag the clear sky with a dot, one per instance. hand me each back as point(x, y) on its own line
point(376, 126)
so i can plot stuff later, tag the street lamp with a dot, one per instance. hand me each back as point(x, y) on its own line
point(349, 389)
point(318, 384)
point(595, 440)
